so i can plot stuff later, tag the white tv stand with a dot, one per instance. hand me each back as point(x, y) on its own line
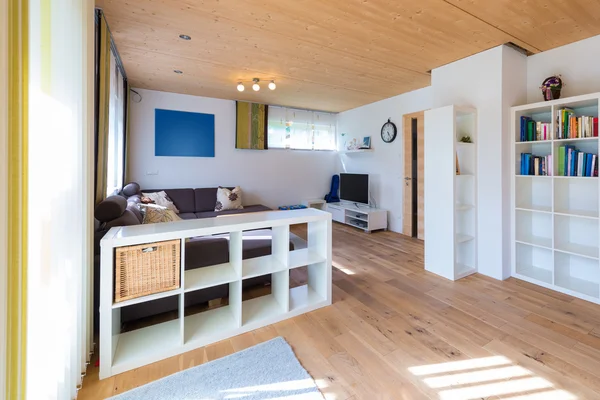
point(363, 217)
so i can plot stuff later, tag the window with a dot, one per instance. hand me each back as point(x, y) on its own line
point(301, 129)
point(116, 129)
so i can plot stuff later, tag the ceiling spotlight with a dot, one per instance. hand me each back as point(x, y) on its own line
point(240, 87)
point(177, 71)
point(185, 37)
point(272, 85)
point(255, 86)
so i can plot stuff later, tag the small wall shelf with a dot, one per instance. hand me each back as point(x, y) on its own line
point(355, 151)
point(555, 219)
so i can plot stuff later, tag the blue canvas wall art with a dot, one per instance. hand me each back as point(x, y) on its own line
point(183, 134)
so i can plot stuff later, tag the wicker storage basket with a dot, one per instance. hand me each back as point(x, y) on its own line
point(146, 269)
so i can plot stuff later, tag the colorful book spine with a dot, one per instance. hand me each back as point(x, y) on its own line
point(561, 158)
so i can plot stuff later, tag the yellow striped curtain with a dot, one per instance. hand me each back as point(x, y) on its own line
point(251, 126)
point(17, 150)
point(103, 104)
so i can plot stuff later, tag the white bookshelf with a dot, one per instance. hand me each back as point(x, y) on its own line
point(451, 198)
point(555, 219)
point(123, 351)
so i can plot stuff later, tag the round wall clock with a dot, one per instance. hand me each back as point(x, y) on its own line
point(388, 131)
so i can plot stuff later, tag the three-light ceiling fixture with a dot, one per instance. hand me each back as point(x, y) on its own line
point(255, 85)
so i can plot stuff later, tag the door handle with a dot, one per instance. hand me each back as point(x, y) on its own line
point(407, 178)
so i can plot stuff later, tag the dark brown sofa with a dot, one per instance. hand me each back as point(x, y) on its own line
point(122, 210)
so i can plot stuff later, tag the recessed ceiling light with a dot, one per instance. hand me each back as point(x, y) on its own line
point(177, 71)
point(185, 37)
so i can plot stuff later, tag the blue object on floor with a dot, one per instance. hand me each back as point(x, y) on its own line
point(269, 370)
point(332, 196)
point(294, 207)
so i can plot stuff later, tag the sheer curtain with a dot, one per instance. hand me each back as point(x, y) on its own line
point(116, 129)
point(290, 128)
point(60, 196)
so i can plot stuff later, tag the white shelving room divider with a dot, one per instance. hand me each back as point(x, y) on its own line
point(121, 352)
point(555, 237)
point(450, 197)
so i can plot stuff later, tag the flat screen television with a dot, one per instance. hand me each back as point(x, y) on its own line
point(354, 188)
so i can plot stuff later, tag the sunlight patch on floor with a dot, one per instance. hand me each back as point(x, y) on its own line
point(277, 386)
point(485, 377)
point(343, 269)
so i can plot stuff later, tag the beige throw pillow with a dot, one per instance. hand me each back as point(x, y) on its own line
point(161, 199)
point(229, 199)
point(154, 214)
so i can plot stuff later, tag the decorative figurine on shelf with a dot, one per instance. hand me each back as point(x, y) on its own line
point(551, 87)
point(466, 139)
point(352, 144)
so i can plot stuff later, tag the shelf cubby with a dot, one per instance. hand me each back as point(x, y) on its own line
point(534, 262)
point(533, 228)
point(202, 278)
point(132, 344)
point(533, 194)
point(539, 113)
point(577, 197)
point(577, 274)
point(465, 258)
point(576, 235)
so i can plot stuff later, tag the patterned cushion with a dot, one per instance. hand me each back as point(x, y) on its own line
point(161, 199)
point(156, 214)
point(229, 199)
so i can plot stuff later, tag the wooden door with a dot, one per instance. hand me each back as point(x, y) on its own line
point(413, 215)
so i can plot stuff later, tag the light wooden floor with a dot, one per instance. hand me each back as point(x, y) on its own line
point(474, 339)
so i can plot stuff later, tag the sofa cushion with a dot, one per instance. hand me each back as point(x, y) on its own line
point(110, 208)
point(131, 189)
point(128, 218)
point(246, 209)
point(136, 211)
point(229, 199)
point(187, 215)
point(156, 214)
point(161, 199)
point(182, 198)
point(205, 199)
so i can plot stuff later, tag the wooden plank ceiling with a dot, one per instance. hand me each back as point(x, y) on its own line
point(329, 55)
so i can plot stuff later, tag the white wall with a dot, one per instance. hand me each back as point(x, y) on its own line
point(576, 62)
point(514, 92)
point(385, 165)
point(269, 177)
point(479, 81)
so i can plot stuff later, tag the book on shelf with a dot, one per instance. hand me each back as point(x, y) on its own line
point(572, 162)
point(536, 165)
point(534, 130)
point(571, 126)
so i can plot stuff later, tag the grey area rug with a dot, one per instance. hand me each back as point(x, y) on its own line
point(269, 370)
